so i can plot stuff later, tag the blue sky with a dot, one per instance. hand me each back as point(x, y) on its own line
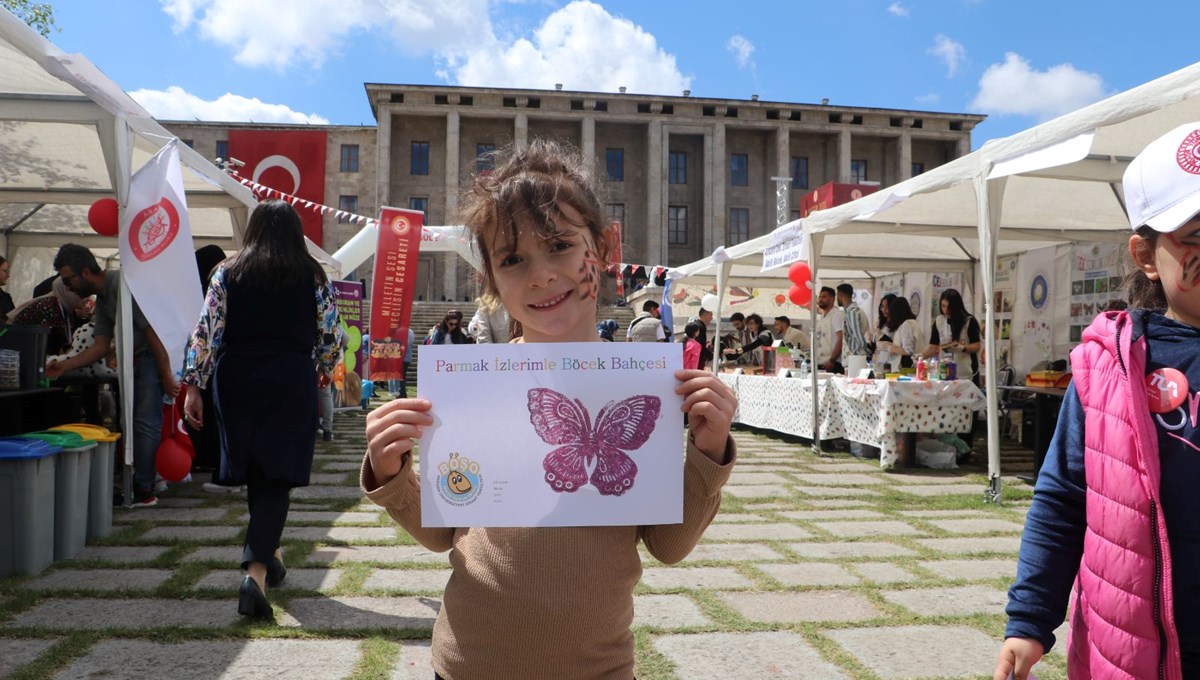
point(1017, 61)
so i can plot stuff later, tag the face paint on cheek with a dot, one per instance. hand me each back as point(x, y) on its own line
point(1189, 263)
point(589, 276)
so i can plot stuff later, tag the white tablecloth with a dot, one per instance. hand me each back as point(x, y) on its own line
point(868, 412)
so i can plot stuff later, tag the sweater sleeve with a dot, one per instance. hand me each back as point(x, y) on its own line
point(702, 482)
point(1052, 544)
point(401, 497)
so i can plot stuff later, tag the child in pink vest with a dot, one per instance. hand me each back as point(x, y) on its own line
point(1115, 521)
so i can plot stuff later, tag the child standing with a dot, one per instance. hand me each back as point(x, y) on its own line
point(1115, 510)
point(691, 346)
point(544, 602)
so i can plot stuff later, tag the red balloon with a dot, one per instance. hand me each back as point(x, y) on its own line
point(173, 459)
point(800, 295)
point(799, 273)
point(103, 217)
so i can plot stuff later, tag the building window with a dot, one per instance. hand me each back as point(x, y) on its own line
point(485, 158)
point(349, 158)
point(614, 161)
point(917, 169)
point(739, 225)
point(799, 172)
point(739, 170)
point(419, 203)
point(678, 168)
point(347, 204)
point(420, 158)
point(677, 227)
point(188, 142)
point(222, 150)
point(858, 171)
point(795, 215)
point(616, 213)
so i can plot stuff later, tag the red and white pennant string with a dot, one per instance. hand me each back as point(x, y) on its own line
point(263, 191)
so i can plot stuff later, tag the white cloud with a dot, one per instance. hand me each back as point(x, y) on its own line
point(580, 45)
point(929, 99)
point(951, 53)
point(898, 9)
point(1015, 87)
point(742, 50)
point(175, 103)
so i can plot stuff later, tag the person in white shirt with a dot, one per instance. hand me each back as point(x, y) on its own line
point(647, 327)
point(791, 336)
point(490, 325)
point(830, 331)
point(903, 339)
point(857, 324)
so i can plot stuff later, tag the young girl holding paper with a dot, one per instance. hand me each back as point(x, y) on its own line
point(544, 602)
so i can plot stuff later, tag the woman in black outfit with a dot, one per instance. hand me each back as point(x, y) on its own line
point(269, 326)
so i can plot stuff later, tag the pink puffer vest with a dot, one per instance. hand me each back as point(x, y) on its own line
point(1122, 623)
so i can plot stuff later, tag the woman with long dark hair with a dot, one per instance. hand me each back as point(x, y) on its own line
point(903, 333)
point(956, 332)
point(269, 326)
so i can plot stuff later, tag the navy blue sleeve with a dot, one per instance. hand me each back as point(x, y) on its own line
point(1052, 544)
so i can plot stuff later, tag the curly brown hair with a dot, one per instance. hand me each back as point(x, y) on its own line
point(529, 183)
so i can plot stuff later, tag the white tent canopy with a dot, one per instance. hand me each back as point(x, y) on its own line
point(1058, 182)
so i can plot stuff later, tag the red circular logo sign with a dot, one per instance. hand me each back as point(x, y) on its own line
point(1188, 154)
point(400, 226)
point(153, 229)
point(1166, 389)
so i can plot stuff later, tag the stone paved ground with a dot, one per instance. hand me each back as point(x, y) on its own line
point(815, 568)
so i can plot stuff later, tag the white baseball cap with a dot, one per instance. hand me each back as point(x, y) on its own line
point(1162, 185)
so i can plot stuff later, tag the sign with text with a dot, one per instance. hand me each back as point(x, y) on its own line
point(392, 287)
point(349, 298)
point(554, 434)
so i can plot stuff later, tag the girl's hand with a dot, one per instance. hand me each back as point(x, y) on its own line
point(392, 431)
point(709, 404)
point(1017, 657)
point(193, 407)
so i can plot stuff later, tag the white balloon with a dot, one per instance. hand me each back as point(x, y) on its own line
point(709, 302)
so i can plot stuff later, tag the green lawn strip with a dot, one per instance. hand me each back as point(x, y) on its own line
point(837, 655)
point(71, 647)
point(354, 575)
point(648, 663)
point(377, 659)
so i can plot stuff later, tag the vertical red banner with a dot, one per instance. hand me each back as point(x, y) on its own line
point(393, 284)
point(290, 161)
point(614, 257)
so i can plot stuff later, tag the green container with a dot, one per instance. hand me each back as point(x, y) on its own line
point(71, 485)
point(100, 492)
point(27, 468)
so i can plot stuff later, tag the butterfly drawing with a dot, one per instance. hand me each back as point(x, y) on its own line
point(587, 453)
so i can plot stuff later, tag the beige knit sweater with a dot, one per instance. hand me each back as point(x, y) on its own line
point(553, 603)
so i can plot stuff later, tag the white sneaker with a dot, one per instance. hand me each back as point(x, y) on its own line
point(160, 485)
point(220, 488)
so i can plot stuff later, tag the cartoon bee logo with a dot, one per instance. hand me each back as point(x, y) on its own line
point(459, 480)
point(458, 483)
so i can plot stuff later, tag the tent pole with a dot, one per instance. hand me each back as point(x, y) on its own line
point(814, 257)
point(723, 270)
point(990, 199)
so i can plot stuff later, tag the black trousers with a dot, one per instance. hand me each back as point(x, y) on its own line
point(268, 503)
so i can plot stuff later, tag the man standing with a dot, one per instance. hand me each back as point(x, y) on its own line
point(152, 375)
point(856, 322)
point(734, 342)
point(830, 329)
point(703, 317)
point(646, 327)
point(791, 336)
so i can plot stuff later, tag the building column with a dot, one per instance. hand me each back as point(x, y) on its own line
point(521, 131)
point(383, 157)
point(717, 206)
point(964, 145)
point(656, 213)
point(709, 236)
point(843, 156)
point(904, 156)
point(587, 142)
point(450, 260)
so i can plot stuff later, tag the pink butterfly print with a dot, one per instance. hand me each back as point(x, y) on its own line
point(586, 453)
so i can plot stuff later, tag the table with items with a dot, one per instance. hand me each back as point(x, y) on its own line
point(784, 404)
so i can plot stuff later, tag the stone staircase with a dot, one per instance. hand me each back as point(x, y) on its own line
point(426, 315)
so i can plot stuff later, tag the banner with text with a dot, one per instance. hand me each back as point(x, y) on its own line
point(393, 284)
point(349, 298)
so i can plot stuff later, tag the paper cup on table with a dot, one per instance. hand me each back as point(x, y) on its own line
point(854, 365)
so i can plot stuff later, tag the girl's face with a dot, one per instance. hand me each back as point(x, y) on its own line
point(945, 308)
point(1177, 265)
point(4, 273)
point(550, 285)
point(883, 309)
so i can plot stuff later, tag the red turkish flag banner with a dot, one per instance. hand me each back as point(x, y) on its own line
point(614, 255)
point(392, 288)
point(290, 161)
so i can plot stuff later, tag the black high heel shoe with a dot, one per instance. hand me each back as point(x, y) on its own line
point(276, 572)
point(253, 603)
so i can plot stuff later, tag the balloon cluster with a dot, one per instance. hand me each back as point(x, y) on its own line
point(102, 216)
point(802, 285)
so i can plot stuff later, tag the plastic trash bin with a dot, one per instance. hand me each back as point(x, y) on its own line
point(71, 479)
point(27, 468)
point(100, 482)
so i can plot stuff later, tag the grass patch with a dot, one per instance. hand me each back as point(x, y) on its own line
point(379, 657)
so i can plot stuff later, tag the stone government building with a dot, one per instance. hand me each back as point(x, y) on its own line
point(683, 174)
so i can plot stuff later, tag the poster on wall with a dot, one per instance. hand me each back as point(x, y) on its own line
point(349, 298)
point(940, 283)
point(1002, 306)
point(1032, 338)
point(1096, 276)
